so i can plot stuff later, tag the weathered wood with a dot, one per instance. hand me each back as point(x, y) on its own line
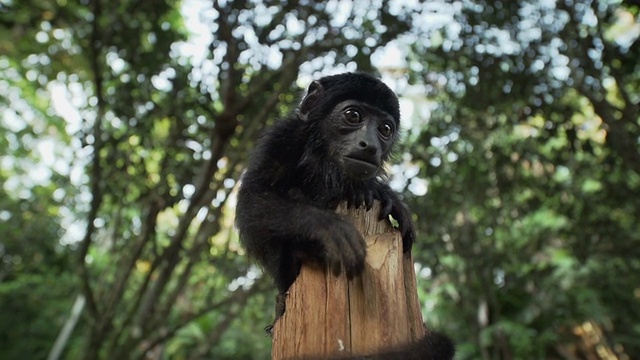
point(329, 315)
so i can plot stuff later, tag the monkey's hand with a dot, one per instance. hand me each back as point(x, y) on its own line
point(390, 204)
point(360, 196)
point(366, 195)
point(334, 241)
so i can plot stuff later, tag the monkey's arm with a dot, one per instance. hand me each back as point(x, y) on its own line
point(275, 228)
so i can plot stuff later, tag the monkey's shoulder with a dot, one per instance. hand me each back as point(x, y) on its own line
point(289, 133)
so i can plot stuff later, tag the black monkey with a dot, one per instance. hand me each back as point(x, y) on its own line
point(331, 151)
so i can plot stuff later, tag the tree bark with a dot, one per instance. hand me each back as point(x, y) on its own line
point(328, 315)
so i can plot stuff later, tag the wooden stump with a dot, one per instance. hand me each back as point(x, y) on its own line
point(329, 315)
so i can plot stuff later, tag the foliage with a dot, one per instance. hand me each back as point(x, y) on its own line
point(36, 286)
point(126, 126)
point(531, 158)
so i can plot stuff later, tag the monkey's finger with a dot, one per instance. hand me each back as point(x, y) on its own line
point(336, 267)
point(359, 269)
point(351, 202)
point(353, 267)
point(348, 259)
point(408, 239)
point(357, 265)
point(360, 251)
point(386, 207)
point(354, 200)
point(349, 269)
point(368, 201)
point(353, 251)
point(332, 255)
point(408, 233)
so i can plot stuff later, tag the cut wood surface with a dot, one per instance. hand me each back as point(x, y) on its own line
point(329, 315)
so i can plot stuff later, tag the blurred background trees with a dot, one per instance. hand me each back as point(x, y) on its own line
point(126, 126)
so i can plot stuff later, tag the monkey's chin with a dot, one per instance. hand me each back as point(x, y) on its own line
point(360, 169)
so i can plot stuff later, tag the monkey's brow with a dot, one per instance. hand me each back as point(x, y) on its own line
point(368, 107)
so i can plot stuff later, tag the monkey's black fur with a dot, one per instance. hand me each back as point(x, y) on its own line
point(331, 151)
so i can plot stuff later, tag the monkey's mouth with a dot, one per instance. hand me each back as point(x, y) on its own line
point(360, 168)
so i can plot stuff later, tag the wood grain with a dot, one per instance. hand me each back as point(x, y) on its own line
point(329, 315)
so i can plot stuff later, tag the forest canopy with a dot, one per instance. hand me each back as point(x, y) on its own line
point(126, 126)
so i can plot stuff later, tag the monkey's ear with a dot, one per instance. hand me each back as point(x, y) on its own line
point(309, 101)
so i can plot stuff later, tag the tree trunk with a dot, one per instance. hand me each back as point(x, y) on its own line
point(329, 315)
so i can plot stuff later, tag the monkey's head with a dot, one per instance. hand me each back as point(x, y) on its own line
point(358, 118)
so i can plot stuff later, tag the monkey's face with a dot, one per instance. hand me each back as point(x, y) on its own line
point(361, 137)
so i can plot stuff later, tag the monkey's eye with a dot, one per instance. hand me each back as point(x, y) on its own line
point(385, 130)
point(352, 116)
